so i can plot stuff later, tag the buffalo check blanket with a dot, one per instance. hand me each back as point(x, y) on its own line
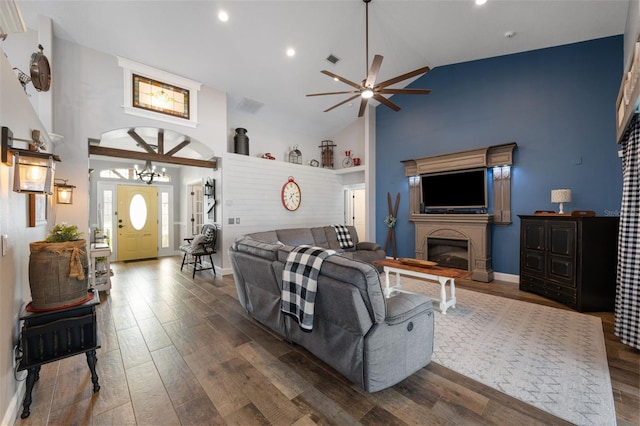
point(344, 236)
point(300, 283)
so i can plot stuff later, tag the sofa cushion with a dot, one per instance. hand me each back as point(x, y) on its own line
point(363, 276)
point(319, 237)
point(266, 236)
point(295, 236)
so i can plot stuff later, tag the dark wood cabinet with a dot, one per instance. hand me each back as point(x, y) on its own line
point(570, 259)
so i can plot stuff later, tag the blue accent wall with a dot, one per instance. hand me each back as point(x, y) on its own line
point(557, 104)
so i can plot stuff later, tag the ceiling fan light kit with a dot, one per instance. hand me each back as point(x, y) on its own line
point(368, 89)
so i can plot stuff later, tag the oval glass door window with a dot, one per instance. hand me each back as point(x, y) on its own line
point(138, 212)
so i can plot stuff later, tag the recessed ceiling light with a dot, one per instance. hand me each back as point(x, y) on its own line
point(223, 16)
point(480, 2)
point(291, 51)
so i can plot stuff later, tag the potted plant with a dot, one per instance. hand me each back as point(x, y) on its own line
point(57, 268)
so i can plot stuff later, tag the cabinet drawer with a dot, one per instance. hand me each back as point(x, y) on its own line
point(532, 284)
point(561, 296)
point(561, 289)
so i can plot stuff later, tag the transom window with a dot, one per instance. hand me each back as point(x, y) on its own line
point(157, 96)
point(129, 174)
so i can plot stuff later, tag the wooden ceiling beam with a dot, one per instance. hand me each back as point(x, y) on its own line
point(151, 156)
point(178, 147)
point(160, 141)
point(141, 142)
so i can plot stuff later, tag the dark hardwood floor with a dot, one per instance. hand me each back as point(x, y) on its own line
point(181, 351)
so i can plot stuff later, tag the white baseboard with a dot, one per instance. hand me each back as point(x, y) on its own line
point(11, 415)
point(510, 278)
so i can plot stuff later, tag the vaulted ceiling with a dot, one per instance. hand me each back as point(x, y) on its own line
point(245, 56)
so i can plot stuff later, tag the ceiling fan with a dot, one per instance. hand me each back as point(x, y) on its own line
point(368, 88)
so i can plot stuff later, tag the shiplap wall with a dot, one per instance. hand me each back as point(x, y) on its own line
point(251, 190)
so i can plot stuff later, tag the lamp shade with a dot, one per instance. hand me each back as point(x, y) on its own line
point(560, 195)
point(33, 175)
point(64, 193)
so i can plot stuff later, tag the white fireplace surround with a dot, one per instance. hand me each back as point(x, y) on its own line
point(474, 228)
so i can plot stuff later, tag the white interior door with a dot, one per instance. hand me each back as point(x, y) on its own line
point(355, 210)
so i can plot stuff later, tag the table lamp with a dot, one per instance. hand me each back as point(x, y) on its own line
point(561, 196)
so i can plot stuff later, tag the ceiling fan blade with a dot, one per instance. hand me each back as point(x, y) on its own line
point(342, 103)
point(405, 91)
point(342, 79)
point(386, 102)
point(363, 105)
point(373, 71)
point(333, 93)
point(399, 78)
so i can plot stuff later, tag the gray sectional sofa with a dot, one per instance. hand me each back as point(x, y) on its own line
point(374, 341)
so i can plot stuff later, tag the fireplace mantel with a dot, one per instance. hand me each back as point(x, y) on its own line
point(498, 157)
point(473, 228)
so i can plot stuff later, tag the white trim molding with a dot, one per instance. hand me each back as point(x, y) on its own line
point(510, 278)
point(130, 67)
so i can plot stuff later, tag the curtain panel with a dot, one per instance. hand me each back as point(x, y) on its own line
point(627, 307)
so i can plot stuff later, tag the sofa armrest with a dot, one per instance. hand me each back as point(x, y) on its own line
point(404, 306)
point(257, 248)
point(368, 245)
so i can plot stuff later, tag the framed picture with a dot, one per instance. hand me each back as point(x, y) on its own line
point(37, 210)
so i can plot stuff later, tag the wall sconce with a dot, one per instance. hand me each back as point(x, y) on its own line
point(209, 188)
point(414, 180)
point(561, 196)
point(64, 192)
point(502, 195)
point(33, 170)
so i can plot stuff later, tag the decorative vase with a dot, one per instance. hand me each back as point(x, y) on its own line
point(58, 273)
point(241, 141)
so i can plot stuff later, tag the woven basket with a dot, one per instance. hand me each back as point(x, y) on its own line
point(57, 273)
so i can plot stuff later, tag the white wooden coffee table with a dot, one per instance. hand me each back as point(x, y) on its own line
point(436, 273)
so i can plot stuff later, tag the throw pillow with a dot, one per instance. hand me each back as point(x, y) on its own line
point(197, 240)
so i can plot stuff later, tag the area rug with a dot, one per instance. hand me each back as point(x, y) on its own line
point(550, 358)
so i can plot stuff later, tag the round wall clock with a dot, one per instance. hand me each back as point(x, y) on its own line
point(40, 71)
point(291, 195)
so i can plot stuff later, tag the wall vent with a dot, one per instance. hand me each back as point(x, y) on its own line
point(249, 105)
point(333, 59)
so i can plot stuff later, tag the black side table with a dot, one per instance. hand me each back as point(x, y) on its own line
point(54, 335)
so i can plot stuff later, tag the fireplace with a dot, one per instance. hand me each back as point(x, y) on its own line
point(467, 237)
point(449, 252)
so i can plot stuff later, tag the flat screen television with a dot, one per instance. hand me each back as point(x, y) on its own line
point(463, 189)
